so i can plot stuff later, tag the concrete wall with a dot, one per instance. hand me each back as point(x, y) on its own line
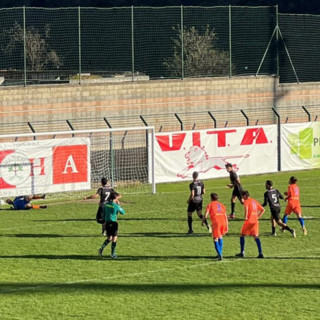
point(51, 102)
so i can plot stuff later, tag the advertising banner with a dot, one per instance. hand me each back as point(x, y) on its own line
point(44, 166)
point(300, 146)
point(251, 150)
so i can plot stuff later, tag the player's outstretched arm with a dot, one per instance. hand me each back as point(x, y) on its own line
point(94, 196)
point(204, 218)
point(261, 212)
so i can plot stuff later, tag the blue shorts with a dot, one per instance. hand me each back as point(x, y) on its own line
point(20, 203)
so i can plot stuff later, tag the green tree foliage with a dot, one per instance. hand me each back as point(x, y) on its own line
point(201, 57)
point(39, 55)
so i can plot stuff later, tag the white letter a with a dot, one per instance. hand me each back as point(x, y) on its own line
point(70, 164)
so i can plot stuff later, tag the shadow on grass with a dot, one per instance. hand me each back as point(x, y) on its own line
point(45, 235)
point(123, 235)
point(162, 235)
point(153, 219)
point(29, 287)
point(64, 220)
point(107, 257)
point(121, 219)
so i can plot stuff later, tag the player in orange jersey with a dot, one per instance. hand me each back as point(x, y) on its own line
point(219, 220)
point(293, 205)
point(253, 211)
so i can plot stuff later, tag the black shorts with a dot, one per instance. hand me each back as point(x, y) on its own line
point(99, 215)
point(237, 193)
point(194, 206)
point(275, 214)
point(112, 228)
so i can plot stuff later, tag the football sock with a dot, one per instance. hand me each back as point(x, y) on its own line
point(242, 244)
point(113, 248)
point(205, 221)
point(273, 229)
point(105, 244)
point(285, 219)
point(233, 205)
point(301, 221)
point(258, 245)
point(190, 222)
point(220, 244)
point(217, 247)
point(287, 228)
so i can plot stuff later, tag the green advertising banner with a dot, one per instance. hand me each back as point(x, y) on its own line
point(300, 146)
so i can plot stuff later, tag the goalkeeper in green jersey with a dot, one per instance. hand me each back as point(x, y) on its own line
point(109, 216)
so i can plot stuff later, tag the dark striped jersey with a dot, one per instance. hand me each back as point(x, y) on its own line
point(272, 197)
point(234, 180)
point(104, 193)
point(198, 188)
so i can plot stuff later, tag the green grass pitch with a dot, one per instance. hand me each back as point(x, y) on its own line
point(50, 268)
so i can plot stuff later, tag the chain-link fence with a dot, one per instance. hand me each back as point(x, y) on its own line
point(41, 46)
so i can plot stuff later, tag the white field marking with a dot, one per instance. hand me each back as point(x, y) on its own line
point(137, 274)
point(120, 276)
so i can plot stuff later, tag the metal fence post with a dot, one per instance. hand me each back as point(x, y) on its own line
point(79, 42)
point(132, 44)
point(230, 43)
point(107, 122)
point(111, 153)
point(32, 129)
point(182, 43)
point(247, 119)
point(213, 118)
point(279, 137)
point(144, 121)
point(307, 112)
point(277, 38)
point(24, 47)
point(70, 126)
point(180, 121)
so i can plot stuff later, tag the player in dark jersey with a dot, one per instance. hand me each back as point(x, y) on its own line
point(237, 189)
point(104, 193)
point(195, 201)
point(272, 197)
point(110, 216)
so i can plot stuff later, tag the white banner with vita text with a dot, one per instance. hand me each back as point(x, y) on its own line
point(44, 166)
point(251, 150)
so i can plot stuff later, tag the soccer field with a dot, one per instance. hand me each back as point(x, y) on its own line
point(50, 268)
